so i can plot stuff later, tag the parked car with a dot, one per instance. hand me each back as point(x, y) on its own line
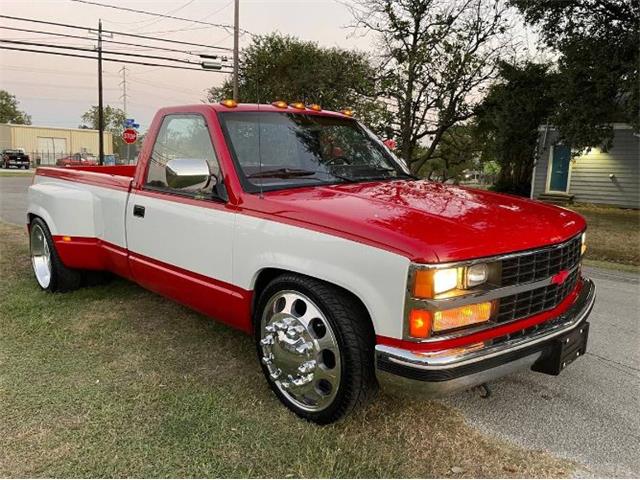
point(15, 157)
point(112, 159)
point(299, 227)
point(77, 159)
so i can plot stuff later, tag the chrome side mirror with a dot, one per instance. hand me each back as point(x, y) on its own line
point(188, 172)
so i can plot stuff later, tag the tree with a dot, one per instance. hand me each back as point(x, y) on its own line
point(508, 121)
point(458, 150)
point(437, 56)
point(599, 58)
point(113, 118)
point(279, 67)
point(9, 112)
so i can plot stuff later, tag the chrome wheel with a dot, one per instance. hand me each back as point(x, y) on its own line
point(40, 256)
point(300, 350)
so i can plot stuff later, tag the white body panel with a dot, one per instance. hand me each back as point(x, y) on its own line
point(375, 276)
point(225, 246)
point(79, 209)
point(197, 239)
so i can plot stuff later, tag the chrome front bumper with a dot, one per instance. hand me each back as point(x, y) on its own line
point(445, 371)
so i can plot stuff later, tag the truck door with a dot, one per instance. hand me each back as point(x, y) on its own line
point(180, 239)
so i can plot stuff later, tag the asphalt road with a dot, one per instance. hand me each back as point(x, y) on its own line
point(13, 197)
point(590, 413)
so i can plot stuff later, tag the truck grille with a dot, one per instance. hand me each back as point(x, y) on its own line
point(533, 267)
point(536, 266)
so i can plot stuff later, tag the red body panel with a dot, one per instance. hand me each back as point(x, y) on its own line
point(206, 295)
point(427, 222)
point(93, 254)
point(214, 298)
point(118, 177)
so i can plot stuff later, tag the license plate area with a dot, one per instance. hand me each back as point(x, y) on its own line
point(563, 351)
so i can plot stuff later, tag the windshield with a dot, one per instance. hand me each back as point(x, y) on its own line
point(274, 150)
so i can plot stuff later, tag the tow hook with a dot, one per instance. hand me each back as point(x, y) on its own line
point(483, 390)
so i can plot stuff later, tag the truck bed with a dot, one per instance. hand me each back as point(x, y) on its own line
point(111, 176)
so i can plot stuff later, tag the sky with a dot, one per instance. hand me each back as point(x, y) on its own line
point(56, 90)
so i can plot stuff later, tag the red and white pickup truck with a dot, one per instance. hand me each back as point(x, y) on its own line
point(298, 226)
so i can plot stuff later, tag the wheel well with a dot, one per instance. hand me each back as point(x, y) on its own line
point(266, 275)
point(31, 217)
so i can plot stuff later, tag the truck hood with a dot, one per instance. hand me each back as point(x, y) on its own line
point(427, 222)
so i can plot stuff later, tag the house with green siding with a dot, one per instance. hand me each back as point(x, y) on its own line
point(609, 177)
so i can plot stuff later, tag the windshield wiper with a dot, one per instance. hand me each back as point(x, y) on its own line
point(282, 173)
point(296, 172)
point(368, 173)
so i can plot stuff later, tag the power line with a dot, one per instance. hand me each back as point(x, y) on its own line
point(90, 49)
point(209, 15)
point(117, 60)
point(49, 85)
point(170, 12)
point(114, 32)
point(115, 42)
point(155, 14)
point(28, 68)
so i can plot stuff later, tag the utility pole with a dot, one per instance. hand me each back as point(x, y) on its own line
point(100, 112)
point(123, 83)
point(236, 56)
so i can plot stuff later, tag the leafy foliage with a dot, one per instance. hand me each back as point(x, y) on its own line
point(598, 43)
point(280, 67)
point(459, 149)
point(113, 118)
point(9, 111)
point(509, 118)
point(437, 56)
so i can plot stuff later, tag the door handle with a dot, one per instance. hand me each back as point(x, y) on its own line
point(138, 211)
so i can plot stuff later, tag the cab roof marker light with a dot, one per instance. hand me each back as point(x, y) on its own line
point(315, 107)
point(229, 103)
point(298, 105)
point(347, 111)
point(280, 104)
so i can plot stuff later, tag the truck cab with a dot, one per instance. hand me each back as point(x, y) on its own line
point(299, 227)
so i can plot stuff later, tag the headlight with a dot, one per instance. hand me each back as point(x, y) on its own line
point(445, 280)
point(583, 247)
point(433, 282)
point(476, 275)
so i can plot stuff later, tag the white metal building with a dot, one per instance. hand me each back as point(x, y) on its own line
point(47, 144)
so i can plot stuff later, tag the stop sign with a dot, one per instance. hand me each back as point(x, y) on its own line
point(129, 135)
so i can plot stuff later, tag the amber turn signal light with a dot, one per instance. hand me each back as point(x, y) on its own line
point(419, 323)
point(423, 284)
point(462, 316)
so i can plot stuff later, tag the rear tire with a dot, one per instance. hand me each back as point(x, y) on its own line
point(316, 347)
point(48, 269)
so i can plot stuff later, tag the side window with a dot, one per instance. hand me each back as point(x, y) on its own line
point(181, 137)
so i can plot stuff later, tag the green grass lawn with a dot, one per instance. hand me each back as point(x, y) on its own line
point(613, 234)
point(113, 381)
point(17, 173)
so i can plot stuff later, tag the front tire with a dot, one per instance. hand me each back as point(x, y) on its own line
point(48, 269)
point(316, 347)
